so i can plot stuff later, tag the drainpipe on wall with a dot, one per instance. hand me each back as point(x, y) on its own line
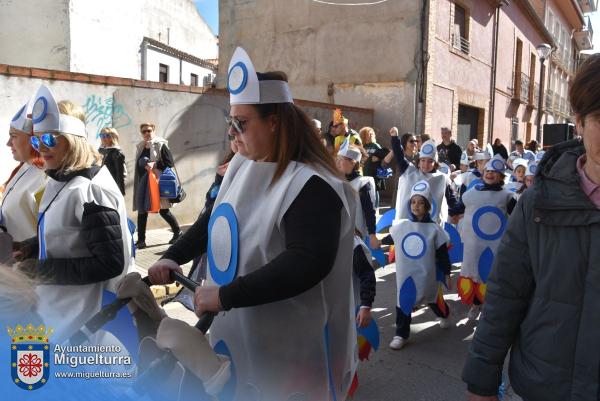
point(144, 59)
point(493, 72)
point(423, 59)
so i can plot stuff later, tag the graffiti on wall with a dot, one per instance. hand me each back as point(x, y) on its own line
point(105, 112)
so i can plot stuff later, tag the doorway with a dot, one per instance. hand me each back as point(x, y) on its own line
point(468, 124)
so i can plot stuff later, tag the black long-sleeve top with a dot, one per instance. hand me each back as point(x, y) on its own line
point(165, 160)
point(366, 276)
point(460, 209)
point(311, 247)
point(114, 160)
point(307, 259)
point(366, 203)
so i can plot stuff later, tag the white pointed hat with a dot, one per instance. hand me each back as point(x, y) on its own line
point(20, 121)
point(47, 118)
point(531, 169)
point(350, 152)
point(483, 155)
point(496, 163)
point(444, 168)
point(539, 155)
point(428, 150)
point(464, 158)
point(421, 188)
point(245, 88)
point(519, 162)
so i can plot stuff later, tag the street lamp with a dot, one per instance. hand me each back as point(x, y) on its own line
point(543, 51)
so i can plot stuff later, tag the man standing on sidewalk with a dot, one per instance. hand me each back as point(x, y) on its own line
point(543, 294)
point(448, 151)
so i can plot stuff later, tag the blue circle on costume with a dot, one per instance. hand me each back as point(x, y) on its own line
point(223, 274)
point(427, 149)
point(432, 212)
point(476, 181)
point(533, 168)
point(498, 165)
point(40, 109)
point(16, 117)
point(479, 214)
point(423, 244)
point(444, 169)
point(420, 186)
point(239, 66)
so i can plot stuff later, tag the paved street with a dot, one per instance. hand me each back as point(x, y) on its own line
point(427, 369)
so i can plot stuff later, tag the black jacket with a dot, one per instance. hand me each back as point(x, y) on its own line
point(449, 154)
point(114, 160)
point(543, 293)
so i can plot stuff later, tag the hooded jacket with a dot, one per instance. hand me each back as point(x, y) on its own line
point(543, 293)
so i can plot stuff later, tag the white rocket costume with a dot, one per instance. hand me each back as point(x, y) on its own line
point(19, 208)
point(510, 183)
point(64, 208)
point(301, 348)
point(437, 185)
point(482, 228)
point(416, 245)
point(358, 183)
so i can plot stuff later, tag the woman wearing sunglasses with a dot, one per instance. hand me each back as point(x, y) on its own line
point(152, 155)
point(280, 251)
point(19, 208)
point(112, 156)
point(83, 236)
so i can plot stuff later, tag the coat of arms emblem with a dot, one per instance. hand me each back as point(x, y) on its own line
point(30, 355)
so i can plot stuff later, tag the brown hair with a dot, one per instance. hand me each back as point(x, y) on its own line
point(142, 125)
point(296, 138)
point(583, 93)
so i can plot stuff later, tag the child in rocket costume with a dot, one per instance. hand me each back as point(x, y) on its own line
point(363, 278)
point(421, 245)
point(443, 199)
point(19, 208)
point(474, 176)
point(514, 182)
point(83, 235)
point(302, 347)
point(486, 208)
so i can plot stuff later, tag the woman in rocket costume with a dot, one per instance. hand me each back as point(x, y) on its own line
point(421, 246)
point(83, 236)
point(486, 208)
point(19, 209)
point(443, 200)
point(284, 283)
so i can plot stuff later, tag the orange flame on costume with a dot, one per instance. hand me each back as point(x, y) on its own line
point(466, 290)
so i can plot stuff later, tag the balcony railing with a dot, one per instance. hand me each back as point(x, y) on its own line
point(461, 44)
point(524, 95)
point(535, 99)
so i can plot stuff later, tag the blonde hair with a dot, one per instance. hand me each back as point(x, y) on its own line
point(366, 135)
point(17, 293)
point(113, 134)
point(80, 154)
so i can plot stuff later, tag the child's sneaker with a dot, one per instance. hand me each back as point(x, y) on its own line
point(397, 343)
point(474, 312)
point(444, 322)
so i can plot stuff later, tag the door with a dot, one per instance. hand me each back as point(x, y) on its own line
point(468, 122)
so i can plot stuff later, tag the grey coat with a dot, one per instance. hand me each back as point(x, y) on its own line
point(543, 294)
point(155, 151)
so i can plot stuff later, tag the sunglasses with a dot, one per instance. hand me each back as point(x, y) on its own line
point(412, 140)
point(146, 131)
point(48, 139)
point(236, 124)
point(105, 136)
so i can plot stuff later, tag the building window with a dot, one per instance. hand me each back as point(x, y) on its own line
point(460, 35)
point(193, 80)
point(163, 73)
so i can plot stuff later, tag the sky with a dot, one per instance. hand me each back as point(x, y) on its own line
point(596, 27)
point(209, 9)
